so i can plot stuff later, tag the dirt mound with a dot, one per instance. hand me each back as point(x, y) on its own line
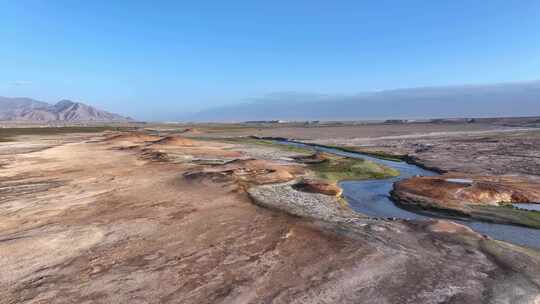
point(316, 186)
point(449, 227)
point(154, 155)
point(484, 198)
point(316, 158)
point(247, 172)
point(175, 141)
point(478, 190)
point(263, 172)
point(245, 175)
point(214, 176)
point(192, 131)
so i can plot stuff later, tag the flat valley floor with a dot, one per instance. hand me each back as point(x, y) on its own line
point(136, 217)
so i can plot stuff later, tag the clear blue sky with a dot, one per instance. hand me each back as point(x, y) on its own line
point(157, 59)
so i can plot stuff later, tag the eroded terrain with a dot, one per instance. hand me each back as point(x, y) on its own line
point(145, 218)
point(501, 160)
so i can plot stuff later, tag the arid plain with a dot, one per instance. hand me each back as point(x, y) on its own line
point(218, 214)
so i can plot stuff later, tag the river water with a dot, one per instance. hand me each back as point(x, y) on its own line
point(535, 207)
point(372, 198)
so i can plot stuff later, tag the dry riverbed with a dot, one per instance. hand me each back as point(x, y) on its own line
point(145, 218)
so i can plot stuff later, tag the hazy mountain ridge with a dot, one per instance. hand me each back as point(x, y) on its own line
point(27, 109)
point(512, 99)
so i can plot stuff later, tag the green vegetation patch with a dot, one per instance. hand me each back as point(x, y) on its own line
point(337, 168)
point(377, 154)
point(334, 169)
point(506, 252)
point(284, 147)
point(510, 215)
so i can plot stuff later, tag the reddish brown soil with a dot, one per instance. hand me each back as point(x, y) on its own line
point(484, 190)
point(249, 171)
point(315, 186)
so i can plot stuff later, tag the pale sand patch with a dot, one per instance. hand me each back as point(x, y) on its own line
point(27, 253)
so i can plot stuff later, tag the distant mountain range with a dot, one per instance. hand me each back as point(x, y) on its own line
point(30, 110)
point(496, 100)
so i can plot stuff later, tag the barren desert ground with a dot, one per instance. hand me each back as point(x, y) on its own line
point(216, 217)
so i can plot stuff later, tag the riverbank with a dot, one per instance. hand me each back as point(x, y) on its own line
point(505, 152)
point(384, 198)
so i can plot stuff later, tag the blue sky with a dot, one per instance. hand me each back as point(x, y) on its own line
point(158, 59)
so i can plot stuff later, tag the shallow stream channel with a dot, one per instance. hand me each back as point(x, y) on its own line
point(372, 198)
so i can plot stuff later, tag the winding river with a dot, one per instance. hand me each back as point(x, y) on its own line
point(372, 198)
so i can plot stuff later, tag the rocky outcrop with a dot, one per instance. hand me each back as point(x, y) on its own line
point(300, 203)
point(315, 158)
point(480, 197)
point(248, 172)
point(463, 190)
point(318, 186)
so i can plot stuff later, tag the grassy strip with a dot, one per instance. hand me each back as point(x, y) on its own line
point(377, 154)
point(510, 215)
point(338, 168)
point(353, 149)
point(503, 214)
point(383, 155)
point(505, 253)
point(284, 147)
point(8, 134)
